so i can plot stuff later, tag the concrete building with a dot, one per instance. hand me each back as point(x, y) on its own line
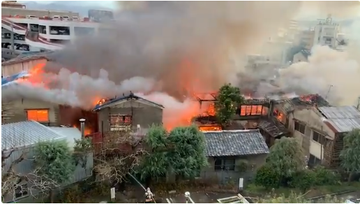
point(127, 112)
point(306, 38)
point(301, 56)
point(18, 141)
point(233, 154)
point(326, 33)
point(12, 8)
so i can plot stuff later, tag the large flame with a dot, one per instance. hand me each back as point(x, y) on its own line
point(37, 76)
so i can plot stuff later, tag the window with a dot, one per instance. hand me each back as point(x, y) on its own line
point(299, 127)
point(38, 115)
point(42, 29)
point(59, 30)
point(120, 122)
point(227, 164)
point(313, 161)
point(317, 137)
point(251, 110)
point(21, 191)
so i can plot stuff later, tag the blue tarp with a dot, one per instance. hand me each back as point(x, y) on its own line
point(10, 79)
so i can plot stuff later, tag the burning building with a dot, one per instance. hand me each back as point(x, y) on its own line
point(127, 112)
point(318, 126)
point(251, 114)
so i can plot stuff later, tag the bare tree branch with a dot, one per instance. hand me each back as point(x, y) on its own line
point(119, 154)
point(11, 180)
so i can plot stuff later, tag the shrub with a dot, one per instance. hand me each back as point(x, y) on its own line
point(242, 165)
point(325, 176)
point(303, 180)
point(267, 177)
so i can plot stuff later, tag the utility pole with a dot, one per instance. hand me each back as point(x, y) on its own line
point(327, 94)
point(358, 104)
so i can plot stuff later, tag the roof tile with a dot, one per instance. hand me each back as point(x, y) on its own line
point(235, 143)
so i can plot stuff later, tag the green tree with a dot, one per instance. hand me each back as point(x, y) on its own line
point(350, 159)
point(286, 157)
point(267, 177)
point(188, 155)
point(227, 100)
point(154, 165)
point(303, 180)
point(54, 163)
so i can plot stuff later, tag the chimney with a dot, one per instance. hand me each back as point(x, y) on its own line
point(82, 127)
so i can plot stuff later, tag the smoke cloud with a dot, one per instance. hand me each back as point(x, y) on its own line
point(168, 50)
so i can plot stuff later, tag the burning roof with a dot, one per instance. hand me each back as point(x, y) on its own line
point(273, 127)
point(105, 103)
point(303, 101)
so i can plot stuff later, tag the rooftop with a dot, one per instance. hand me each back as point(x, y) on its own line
point(27, 57)
point(305, 100)
point(112, 101)
point(342, 118)
point(235, 143)
point(26, 133)
point(273, 127)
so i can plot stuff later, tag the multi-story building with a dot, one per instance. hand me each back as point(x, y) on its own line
point(35, 30)
point(326, 33)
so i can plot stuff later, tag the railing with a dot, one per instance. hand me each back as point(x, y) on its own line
point(86, 19)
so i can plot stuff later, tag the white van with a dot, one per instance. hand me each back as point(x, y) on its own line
point(56, 17)
point(31, 17)
point(65, 18)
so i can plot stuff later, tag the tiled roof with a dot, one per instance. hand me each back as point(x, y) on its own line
point(130, 96)
point(343, 118)
point(25, 133)
point(235, 143)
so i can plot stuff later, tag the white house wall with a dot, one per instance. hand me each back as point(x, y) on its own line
point(313, 121)
point(316, 149)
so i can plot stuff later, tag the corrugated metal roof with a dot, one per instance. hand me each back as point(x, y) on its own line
point(343, 118)
point(235, 143)
point(25, 133)
point(28, 57)
point(71, 134)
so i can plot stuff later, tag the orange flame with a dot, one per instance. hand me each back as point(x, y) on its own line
point(37, 75)
point(87, 131)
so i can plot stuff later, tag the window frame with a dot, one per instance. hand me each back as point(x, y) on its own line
point(40, 109)
point(298, 126)
point(221, 164)
point(320, 138)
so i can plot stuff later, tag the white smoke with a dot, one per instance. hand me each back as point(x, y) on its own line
point(331, 73)
point(74, 89)
point(146, 54)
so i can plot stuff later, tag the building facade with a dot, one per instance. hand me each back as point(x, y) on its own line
point(320, 131)
point(233, 154)
point(127, 113)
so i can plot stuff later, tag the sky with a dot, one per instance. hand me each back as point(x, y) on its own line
point(303, 15)
point(107, 4)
